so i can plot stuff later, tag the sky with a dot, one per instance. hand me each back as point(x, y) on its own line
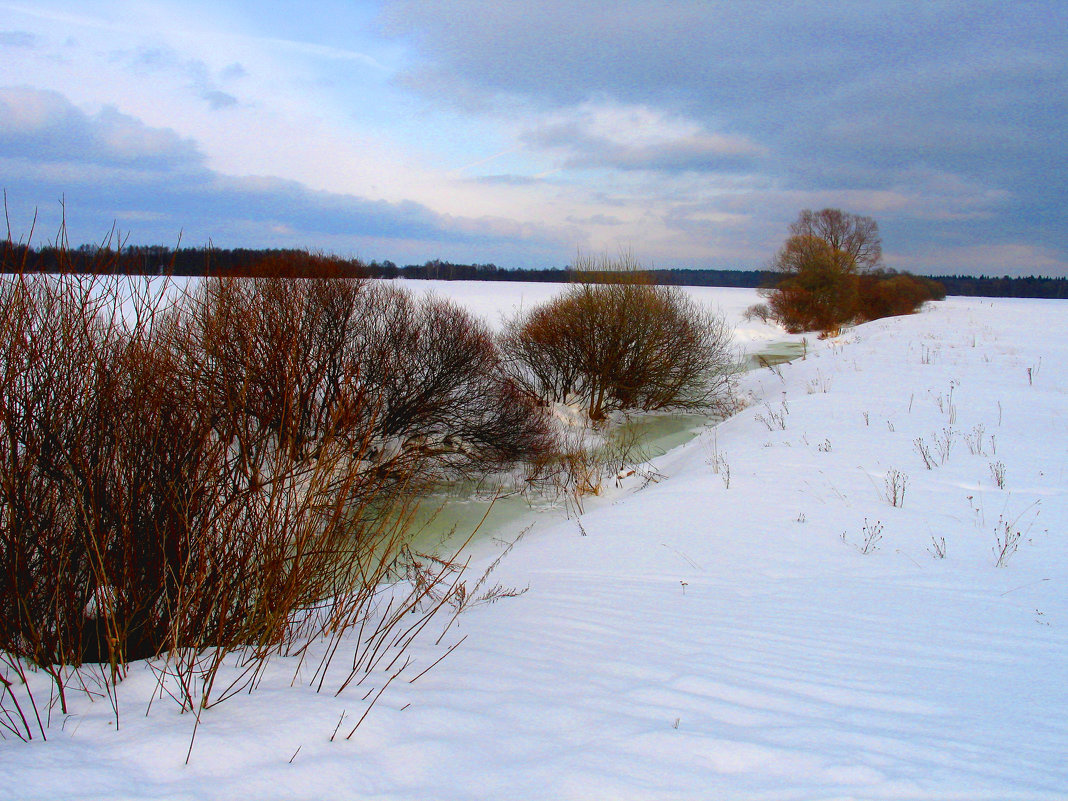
point(689, 134)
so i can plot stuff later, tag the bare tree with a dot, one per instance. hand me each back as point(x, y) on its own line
point(832, 273)
point(820, 262)
point(855, 236)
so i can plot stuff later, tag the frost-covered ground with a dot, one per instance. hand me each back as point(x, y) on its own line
point(691, 639)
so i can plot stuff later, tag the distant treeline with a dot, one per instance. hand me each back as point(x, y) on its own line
point(1004, 287)
point(447, 271)
point(160, 260)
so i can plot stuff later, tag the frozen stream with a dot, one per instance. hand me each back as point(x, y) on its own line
point(445, 520)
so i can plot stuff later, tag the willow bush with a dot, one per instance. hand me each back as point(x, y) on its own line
point(620, 344)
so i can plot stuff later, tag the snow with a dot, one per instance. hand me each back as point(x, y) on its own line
point(688, 639)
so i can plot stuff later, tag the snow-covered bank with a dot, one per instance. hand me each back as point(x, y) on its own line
point(697, 640)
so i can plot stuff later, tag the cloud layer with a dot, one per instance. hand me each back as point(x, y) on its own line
point(110, 169)
point(691, 132)
point(831, 100)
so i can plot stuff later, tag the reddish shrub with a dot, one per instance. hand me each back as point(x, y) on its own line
point(621, 345)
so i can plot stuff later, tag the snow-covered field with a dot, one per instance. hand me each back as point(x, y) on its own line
point(720, 633)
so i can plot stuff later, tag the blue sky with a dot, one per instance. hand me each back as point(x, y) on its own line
point(689, 133)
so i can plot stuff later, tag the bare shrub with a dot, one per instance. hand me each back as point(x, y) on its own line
point(621, 345)
point(886, 293)
point(445, 395)
point(1007, 542)
point(135, 520)
point(758, 311)
point(997, 470)
point(37, 619)
point(894, 486)
point(416, 386)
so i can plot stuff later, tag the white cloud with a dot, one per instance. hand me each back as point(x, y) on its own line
point(24, 110)
point(608, 134)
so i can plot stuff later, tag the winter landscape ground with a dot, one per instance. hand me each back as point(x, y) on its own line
point(854, 588)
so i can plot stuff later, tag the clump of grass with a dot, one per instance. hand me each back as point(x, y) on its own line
point(871, 536)
point(937, 548)
point(997, 470)
point(1007, 542)
point(774, 420)
point(586, 458)
point(717, 460)
point(975, 442)
point(924, 450)
point(944, 443)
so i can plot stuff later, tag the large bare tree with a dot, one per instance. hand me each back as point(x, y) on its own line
point(853, 235)
point(832, 273)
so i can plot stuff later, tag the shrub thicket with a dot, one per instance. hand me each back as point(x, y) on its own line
point(887, 294)
point(831, 274)
point(623, 344)
point(818, 299)
point(416, 386)
point(182, 474)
